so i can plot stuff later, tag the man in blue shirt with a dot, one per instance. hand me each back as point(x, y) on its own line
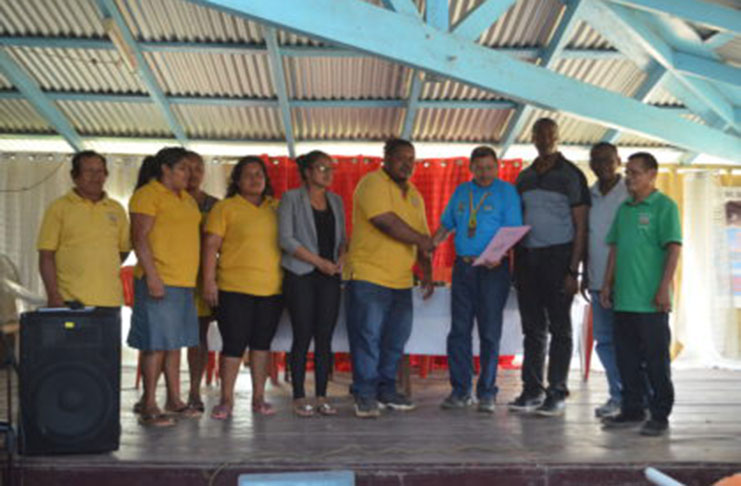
point(475, 213)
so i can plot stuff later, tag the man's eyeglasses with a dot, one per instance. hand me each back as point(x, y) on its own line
point(324, 169)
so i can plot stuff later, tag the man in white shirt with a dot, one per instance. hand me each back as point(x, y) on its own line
point(607, 194)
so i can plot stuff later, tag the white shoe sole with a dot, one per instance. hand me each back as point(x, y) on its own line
point(393, 406)
point(523, 409)
point(367, 414)
point(550, 413)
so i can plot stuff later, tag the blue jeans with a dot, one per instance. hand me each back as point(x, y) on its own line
point(379, 323)
point(603, 322)
point(481, 293)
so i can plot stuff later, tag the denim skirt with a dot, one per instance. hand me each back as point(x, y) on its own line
point(163, 324)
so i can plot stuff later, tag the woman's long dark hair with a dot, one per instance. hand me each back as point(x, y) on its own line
point(151, 167)
point(306, 162)
point(236, 174)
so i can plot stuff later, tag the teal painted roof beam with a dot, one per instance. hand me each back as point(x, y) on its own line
point(30, 90)
point(110, 10)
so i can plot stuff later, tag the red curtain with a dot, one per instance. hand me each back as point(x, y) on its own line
point(436, 180)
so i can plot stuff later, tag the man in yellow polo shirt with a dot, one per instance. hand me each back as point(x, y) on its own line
point(83, 239)
point(390, 233)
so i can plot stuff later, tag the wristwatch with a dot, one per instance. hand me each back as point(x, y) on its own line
point(572, 272)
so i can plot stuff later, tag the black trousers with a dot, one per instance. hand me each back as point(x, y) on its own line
point(313, 303)
point(642, 340)
point(544, 309)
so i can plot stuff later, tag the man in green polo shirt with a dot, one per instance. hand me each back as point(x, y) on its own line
point(645, 242)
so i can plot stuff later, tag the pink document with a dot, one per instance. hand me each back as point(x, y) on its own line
point(505, 239)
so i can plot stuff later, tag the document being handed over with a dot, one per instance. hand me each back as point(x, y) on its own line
point(505, 239)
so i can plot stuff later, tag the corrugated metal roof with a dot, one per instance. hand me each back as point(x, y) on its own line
point(178, 20)
point(571, 130)
point(120, 119)
point(19, 116)
point(79, 18)
point(215, 75)
point(637, 140)
point(585, 37)
point(526, 23)
point(460, 125)
point(616, 75)
point(184, 21)
point(344, 77)
point(4, 83)
point(223, 122)
point(346, 123)
point(453, 90)
point(77, 69)
point(662, 96)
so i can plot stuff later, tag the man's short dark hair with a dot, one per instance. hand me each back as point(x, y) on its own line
point(647, 160)
point(545, 122)
point(77, 160)
point(606, 147)
point(483, 151)
point(393, 144)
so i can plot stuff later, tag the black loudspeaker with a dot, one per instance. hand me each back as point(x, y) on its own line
point(70, 377)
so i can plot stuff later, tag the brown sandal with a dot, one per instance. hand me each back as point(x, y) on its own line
point(304, 410)
point(197, 404)
point(156, 419)
point(263, 408)
point(221, 412)
point(185, 411)
point(326, 409)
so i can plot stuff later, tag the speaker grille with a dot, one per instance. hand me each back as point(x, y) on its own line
point(71, 401)
point(70, 373)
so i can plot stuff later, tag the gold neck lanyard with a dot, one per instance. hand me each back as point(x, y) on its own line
point(472, 221)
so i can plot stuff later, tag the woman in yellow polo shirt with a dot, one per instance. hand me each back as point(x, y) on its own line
point(244, 282)
point(165, 233)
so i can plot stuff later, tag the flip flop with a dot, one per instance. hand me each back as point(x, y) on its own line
point(156, 419)
point(263, 408)
point(221, 412)
point(326, 409)
point(185, 411)
point(304, 410)
point(197, 405)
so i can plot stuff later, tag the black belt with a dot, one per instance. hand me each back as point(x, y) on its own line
point(470, 259)
point(545, 249)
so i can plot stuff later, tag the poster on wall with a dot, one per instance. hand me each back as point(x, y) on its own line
point(732, 207)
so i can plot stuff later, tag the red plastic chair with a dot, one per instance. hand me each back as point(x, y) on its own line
point(127, 281)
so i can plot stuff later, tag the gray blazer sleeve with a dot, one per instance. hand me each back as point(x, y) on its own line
point(286, 238)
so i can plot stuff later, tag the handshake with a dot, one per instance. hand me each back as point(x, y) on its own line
point(428, 244)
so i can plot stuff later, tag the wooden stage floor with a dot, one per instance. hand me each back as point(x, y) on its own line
point(427, 446)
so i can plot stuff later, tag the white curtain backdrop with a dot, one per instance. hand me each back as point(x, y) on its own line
point(22, 206)
point(30, 182)
point(706, 319)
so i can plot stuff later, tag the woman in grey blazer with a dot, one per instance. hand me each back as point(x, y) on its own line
point(311, 225)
